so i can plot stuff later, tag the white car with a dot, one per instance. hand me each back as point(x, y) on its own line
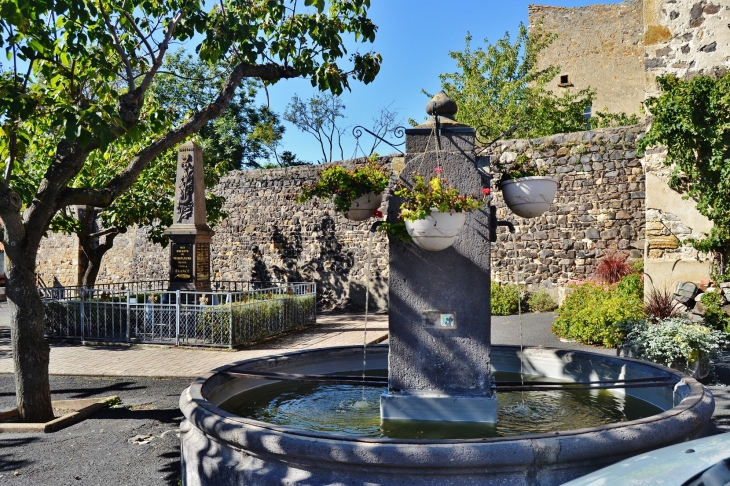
point(701, 462)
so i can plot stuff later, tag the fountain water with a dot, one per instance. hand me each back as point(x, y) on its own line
point(435, 376)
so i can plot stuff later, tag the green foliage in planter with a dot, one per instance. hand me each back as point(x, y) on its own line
point(343, 186)
point(437, 193)
point(714, 316)
point(675, 342)
point(592, 312)
point(505, 299)
point(541, 301)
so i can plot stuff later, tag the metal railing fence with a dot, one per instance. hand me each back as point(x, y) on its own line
point(147, 314)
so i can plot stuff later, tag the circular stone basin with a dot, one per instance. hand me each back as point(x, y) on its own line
point(220, 448)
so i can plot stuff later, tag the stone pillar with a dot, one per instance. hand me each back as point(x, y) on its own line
point(439, 368)
point(189, 234)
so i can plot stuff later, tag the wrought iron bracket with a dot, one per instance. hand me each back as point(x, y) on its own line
point(398, 132)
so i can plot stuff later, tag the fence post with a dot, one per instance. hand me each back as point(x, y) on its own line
point(177, 318)
point(230, 318)
point(128, 310)
point(82, 318)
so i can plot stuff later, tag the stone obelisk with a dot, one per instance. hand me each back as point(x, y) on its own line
point(439, 313)
point(189, 234)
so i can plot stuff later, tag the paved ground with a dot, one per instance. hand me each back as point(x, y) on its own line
point(170, 361)
point(101, 450)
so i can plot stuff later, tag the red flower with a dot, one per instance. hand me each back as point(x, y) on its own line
point(377, 213)
point(486, 191)
point(438, 170)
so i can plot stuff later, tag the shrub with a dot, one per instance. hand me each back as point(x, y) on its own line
point(541, 302)
point(660, 304)
point(612, 268)
point(592, 313)
point(504, 299)
point(714, 316)
point(675, 342)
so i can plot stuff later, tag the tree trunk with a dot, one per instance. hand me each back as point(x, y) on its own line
point(31, 352)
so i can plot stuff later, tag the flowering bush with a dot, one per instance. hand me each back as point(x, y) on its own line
point(504, 299)
point(343, 186)
point(675, 342)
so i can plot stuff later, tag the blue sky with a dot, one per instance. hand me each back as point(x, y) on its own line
point(414, 37)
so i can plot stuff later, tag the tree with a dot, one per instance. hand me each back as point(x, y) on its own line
point(80, 81)
point(500, 87)
point(386, 121)
point(691, 119)
point(318, 117)
point(231, 141)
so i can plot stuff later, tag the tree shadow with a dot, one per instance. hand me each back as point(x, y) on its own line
point(7, 448)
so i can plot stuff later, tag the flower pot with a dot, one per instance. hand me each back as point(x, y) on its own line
point(438, 231)
point(529, 197)
point(362, 208)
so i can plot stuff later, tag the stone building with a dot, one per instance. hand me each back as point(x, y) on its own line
point(598, 46)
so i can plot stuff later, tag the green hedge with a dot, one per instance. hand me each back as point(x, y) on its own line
point(592, 313)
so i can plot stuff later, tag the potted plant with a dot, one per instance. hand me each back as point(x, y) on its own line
point(526, 190)
point(356, 192)
point(432, 212)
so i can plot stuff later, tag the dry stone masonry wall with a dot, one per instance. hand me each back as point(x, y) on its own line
point(599, 206)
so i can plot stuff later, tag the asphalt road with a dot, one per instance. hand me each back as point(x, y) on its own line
point(98, 450)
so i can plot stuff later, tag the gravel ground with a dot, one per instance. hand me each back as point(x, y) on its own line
point(98, 451)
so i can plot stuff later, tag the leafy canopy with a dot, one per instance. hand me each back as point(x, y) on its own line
point(692, 119)
point(502, 86)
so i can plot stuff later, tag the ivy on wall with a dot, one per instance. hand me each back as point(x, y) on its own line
point(692, 119)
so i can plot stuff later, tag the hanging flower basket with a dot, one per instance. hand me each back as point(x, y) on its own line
point(529, 197)
point(437, 231)
point(362, 208)
point(432, 212)
point(354, 192)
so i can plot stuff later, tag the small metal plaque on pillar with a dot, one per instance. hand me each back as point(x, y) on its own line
point(189, 234)
point(436, 319)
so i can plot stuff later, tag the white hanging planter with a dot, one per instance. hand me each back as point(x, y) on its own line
point(438, 231)
point(529, 197)
point(362, 208)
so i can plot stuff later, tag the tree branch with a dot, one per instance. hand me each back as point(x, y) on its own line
point(10, 204)
point(118, 47)
point(103, 197)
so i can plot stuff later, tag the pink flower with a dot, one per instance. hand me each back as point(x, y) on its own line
point(486, 191)
point(377, 213)
point(438, 170)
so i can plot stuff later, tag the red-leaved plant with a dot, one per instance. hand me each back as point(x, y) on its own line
point(612, 268)
point(660, 304)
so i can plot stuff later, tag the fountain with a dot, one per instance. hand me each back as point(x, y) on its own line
point(439, 409)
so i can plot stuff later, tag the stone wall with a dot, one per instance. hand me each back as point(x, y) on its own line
point(268, 236)
point(600, 46)
point(599, 206)
point(685, 38)
point(58, 260)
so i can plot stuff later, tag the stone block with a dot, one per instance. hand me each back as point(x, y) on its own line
point(663, 242)
point(685, 292)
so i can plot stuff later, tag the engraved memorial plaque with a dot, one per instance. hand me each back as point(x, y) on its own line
point(181, 262)
point(202, 261)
